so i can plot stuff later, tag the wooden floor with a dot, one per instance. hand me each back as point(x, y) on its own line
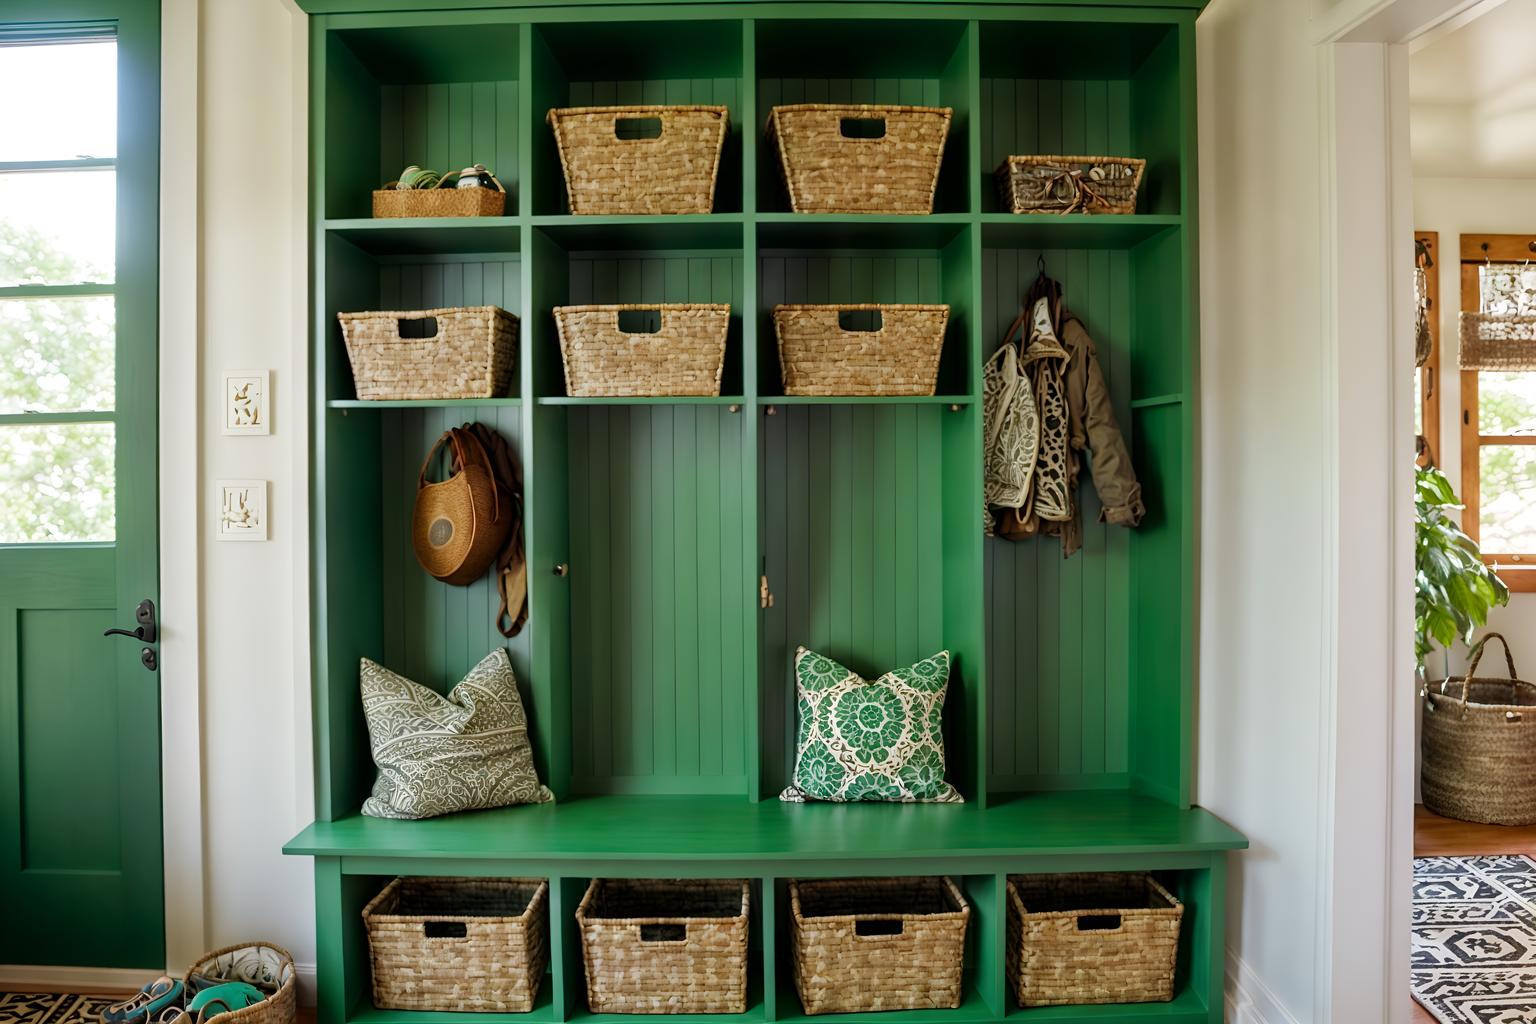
point(1434, 836)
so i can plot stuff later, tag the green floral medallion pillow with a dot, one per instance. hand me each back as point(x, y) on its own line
point(861, 740)
point(439, 754)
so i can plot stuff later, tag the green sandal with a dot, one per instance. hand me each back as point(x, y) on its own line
point(148, 1001)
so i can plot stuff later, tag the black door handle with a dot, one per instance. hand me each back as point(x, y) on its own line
point(146, 631)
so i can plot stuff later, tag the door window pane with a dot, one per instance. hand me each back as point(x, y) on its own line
point(57, 227)
point(57, 355)
point(57, 483)
point(60, 100)
point(1507, 486)
point(1506, 403)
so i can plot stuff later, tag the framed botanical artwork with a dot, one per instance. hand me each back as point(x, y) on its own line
point(242, 510)
point(247, 402)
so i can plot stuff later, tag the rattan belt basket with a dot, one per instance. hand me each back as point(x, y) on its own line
point(819, 356)
point(660, 946)
point(1479, 745)
point(609, 169)
point(262, 964)
point(460, 945)
point(1075, 939)
point(831, 166)
point(683, 356)
point(1069, 184)
point(878, 943)
point(466, 353)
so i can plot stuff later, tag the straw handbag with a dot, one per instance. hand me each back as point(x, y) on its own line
point(1480, 745)
point(460, 523)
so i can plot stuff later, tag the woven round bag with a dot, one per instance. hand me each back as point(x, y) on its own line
point(460, 524)
point(1480, 745)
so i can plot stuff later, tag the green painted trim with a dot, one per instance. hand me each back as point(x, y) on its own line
point(769, 401)
point(1154, 401)
point(56, 291)
point(726, 400)
point(900, 8)
point(81, 164)
point(422, 403)
point(27, 418)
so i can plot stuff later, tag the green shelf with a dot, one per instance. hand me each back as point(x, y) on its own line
point(656, 671)
point(543, 1012)
point(419, 236)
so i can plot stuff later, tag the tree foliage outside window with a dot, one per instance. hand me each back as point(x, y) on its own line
point(57, 480)
point(1507, 407)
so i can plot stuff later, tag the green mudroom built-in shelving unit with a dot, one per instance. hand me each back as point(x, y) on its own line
point(659, 687)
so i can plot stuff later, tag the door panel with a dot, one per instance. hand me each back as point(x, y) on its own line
point(80, 818)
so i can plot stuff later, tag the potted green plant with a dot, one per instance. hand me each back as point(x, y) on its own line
point(1454, 587)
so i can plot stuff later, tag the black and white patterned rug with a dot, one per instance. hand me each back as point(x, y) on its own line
point(52, 1008)
point(1474, 938)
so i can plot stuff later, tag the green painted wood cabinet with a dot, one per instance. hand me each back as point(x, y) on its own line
point(658, 685)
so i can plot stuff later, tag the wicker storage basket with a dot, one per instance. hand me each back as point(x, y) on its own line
point(1069, 184)
point(1479, 745)
point(471, 355)
point(877, 943)
point(268, 967)
point(1075, 939)
point(684, 357)
point(474, 945)
point(671, 173)
point(819, 357)
point(443, 201)
point(655, 946)
point(828, 171)
point(1503, 342)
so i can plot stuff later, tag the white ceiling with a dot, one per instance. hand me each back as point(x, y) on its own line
point(1472, 91)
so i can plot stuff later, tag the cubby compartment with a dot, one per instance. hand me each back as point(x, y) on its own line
point(911, 62)
point(1085, 662)
point(1077, 88)
point(886, 263)
point(590, 64)
point(867, 517)
point(443, 96)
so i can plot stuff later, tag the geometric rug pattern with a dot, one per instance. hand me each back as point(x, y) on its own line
point(1474, 938)
point(52, 1008)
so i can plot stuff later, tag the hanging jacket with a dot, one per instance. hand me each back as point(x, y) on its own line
point(1089, 427)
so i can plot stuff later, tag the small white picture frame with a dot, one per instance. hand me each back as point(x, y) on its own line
point(247, 402)
point(242, 510)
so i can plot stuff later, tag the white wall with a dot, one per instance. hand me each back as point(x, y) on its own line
point(236, 157)
point(1456, 206)
point(1264, 495)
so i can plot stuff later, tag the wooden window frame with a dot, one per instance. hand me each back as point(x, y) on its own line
point(1517, 569)
point(1429, 373)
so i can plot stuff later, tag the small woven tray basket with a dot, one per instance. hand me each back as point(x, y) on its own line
point(268, 967)
point(863, 944)
point(819, 357)
point(663, 946)
point(1075, 939)
point(1069, 184)
point(674, 172)
point(684, 357)
point(443, 201)
point(828, 171)
point(460, 945)
point(471, 355)
point(1479, 745)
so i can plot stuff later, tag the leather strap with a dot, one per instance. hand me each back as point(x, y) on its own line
point(511, 560)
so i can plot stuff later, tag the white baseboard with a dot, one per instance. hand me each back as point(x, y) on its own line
point(1249, 1000)
point(20, 977)
point(75, 979)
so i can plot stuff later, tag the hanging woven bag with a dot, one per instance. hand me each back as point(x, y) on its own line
point(1480, 745)
point(460, 524)
point(1011, 427)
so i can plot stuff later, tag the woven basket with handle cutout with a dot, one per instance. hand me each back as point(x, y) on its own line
point(684, 355)
point(820, 356)
point(464, 353)
point(859, 158)
point(612, 168)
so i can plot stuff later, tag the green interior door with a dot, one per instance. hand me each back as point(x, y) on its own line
point(80, 839)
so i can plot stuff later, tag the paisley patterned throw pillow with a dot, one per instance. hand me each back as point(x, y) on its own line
point(439, 754)
point(861, 740)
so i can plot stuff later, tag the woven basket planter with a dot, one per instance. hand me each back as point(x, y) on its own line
point(684, 357)
point(439, 202)
point(1075, 939)
point(1069, 184)
point(878, 943)
point(268, 967)
point(1479, 745)
point(475, 945)
point(471, 354)
point(818, 356)
point(827, 170)
point(655, 946)
point(607, 173)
